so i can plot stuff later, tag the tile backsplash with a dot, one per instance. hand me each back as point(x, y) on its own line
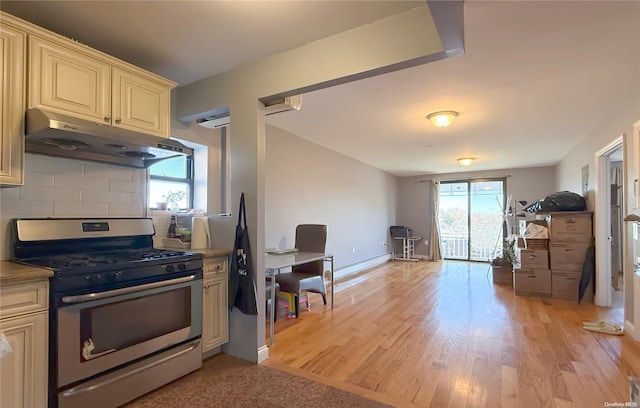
point(59, 188)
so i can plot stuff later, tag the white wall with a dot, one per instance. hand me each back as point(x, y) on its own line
point(59, 187)
point(415, 207)
point(620, 121)
point(307, 183)
point(210, 169)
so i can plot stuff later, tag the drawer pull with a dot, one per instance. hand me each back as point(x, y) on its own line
point(215, 268)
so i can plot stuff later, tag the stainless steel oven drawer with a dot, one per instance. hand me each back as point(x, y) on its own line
point(123, 385)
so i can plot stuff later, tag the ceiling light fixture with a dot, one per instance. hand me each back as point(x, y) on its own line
point(466, 161)
point(442, 118)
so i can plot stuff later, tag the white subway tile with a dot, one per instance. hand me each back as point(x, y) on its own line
point(88, 183)
point(80, 209)
point(59, 188)
point(139, 175)
point(34, 179)
point(108, 172)
point(136, 198)
point(50, 194)
point(10, 193)
point(106, 197)
point(126, 210)
point(125, 186)
point(46, 164)
point(5, 238)
point(27, 208)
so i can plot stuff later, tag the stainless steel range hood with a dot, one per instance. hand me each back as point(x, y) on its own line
point(56, 134)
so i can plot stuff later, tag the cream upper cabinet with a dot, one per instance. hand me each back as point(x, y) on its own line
point(140, 104)
point(215, 317)
point(12, 103)
point(23, 327)
point(73, 79)
point(66, 81)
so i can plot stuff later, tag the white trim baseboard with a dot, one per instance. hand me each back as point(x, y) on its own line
point(263, 354)
point(629, 328)
point(360, 266)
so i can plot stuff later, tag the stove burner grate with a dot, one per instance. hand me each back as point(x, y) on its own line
point(120, 258)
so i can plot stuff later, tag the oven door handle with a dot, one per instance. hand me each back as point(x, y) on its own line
point(123, 291)
point(75, 391)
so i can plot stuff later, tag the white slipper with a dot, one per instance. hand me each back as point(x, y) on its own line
point(598, 323)
point(606, 328)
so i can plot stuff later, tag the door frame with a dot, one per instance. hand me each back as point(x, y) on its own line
point(602, 219)
point(630, 235)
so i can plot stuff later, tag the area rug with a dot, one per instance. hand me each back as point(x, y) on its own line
point(226, 382)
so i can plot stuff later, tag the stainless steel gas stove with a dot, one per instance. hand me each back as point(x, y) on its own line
point(125, 318)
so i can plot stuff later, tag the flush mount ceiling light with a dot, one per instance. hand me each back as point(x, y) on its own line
point(466, 161)
point(442, 118)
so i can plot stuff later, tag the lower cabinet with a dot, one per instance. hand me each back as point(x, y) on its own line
point(215, 316)
point(23, 348)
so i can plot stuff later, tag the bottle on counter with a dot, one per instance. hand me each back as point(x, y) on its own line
point(173, 224)
point(178, 233)
point(185, 234)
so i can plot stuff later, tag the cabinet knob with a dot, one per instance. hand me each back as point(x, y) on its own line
point(107, 118)
point(118, 120)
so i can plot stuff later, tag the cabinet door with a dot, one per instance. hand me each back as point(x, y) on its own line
point(67, 81)
point(12, 47)
point(23, 371)
point(215, 329)
point(140, 104)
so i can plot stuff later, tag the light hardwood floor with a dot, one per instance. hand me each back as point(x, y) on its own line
point(441, 334)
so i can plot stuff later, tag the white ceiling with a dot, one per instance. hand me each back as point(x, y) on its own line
point(536, 77)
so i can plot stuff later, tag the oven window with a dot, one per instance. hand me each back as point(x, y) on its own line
point(118, 325)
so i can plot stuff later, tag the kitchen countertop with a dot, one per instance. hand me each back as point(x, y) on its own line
point(12, 272)
point(211, 252)
point(206, 252)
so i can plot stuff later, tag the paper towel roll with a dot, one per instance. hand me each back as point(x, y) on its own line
point(200, 234)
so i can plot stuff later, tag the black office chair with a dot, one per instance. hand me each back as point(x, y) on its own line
point(309, 276)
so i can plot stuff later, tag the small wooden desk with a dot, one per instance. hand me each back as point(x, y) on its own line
point(274, 263)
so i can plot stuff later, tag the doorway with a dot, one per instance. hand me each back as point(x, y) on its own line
point(615, 174)
point(471, 218)
point(609, 209)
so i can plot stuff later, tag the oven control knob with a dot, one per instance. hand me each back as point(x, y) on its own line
point(170, 268)
point(113, 276)
point(93, 279)
point(182, 266)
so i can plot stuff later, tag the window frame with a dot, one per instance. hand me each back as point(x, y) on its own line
point(188, 180)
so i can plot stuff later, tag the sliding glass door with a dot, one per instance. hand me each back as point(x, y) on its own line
point(471, 218)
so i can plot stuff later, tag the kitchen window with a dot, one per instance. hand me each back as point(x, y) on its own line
point(171, 184)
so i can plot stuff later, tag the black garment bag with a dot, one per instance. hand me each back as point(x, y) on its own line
point(588, 270)
point(242, 287)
